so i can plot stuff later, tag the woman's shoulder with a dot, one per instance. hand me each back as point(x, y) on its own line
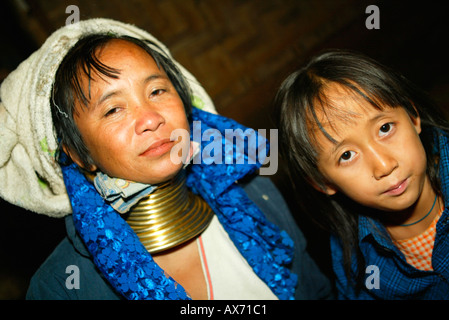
point(68, 274)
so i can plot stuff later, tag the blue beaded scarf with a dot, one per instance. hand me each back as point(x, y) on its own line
point(131, 270)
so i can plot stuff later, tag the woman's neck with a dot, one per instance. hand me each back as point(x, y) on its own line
point(169, 216)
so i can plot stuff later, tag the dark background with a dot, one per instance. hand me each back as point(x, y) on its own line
point(240, 51)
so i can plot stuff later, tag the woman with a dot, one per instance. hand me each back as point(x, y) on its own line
point(143, 226)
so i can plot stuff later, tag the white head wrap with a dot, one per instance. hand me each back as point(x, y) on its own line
point(29, 174)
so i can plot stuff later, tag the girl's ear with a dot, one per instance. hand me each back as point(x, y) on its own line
point(416, 121)
point(327, 189)
point(75, 158)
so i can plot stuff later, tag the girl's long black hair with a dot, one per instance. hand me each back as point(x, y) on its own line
point(295, 110)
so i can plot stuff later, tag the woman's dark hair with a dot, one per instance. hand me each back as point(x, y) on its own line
point(82, 60)
point(303, 95)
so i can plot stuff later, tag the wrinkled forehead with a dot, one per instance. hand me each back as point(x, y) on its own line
point(105, 64)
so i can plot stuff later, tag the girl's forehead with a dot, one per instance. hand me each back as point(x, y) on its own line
point(338, 104)
point(338, 108)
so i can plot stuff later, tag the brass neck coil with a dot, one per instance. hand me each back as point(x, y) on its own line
point(169, 216)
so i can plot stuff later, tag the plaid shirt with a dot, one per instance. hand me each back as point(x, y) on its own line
point(387, 273)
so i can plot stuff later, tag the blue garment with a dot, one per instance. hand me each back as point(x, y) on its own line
point(49, 281)
point(123, 260)
point(396, 278)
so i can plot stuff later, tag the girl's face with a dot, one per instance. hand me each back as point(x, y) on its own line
point(378, 159)
point(128, 123)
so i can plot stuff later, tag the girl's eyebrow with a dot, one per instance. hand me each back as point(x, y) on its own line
point(338, 144)
point(377, 117)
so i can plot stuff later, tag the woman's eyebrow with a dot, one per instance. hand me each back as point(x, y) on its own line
point(155, 76)
point(111, 94)
point(107, 96)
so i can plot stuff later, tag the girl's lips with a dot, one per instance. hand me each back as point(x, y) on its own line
point(158, 148)
point(397, 189)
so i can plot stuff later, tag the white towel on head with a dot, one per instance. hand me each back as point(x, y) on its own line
point(29, 174)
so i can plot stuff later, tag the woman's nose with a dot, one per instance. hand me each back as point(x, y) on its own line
point(147, 119)
point(383, 162)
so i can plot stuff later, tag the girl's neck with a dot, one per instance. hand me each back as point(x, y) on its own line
point(417, 218)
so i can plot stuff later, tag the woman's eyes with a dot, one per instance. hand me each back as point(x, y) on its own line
point(157, 92)
point(111, 111)
point(153, 93)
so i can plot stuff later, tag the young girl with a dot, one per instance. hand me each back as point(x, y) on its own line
point(369, 155)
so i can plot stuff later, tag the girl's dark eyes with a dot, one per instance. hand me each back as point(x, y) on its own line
point(346, 156)
point(386, 128)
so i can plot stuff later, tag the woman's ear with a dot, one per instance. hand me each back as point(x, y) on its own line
point(75, 158)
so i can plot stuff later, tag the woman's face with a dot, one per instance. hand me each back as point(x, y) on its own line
point(129, 120)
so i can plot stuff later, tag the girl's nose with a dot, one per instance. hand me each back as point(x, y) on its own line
point(148, 119)
point(383, 162)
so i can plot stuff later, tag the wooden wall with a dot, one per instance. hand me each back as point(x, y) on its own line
point(240, 51)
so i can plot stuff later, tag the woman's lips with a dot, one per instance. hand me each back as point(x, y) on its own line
point(397, 189)
point(158, 148)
